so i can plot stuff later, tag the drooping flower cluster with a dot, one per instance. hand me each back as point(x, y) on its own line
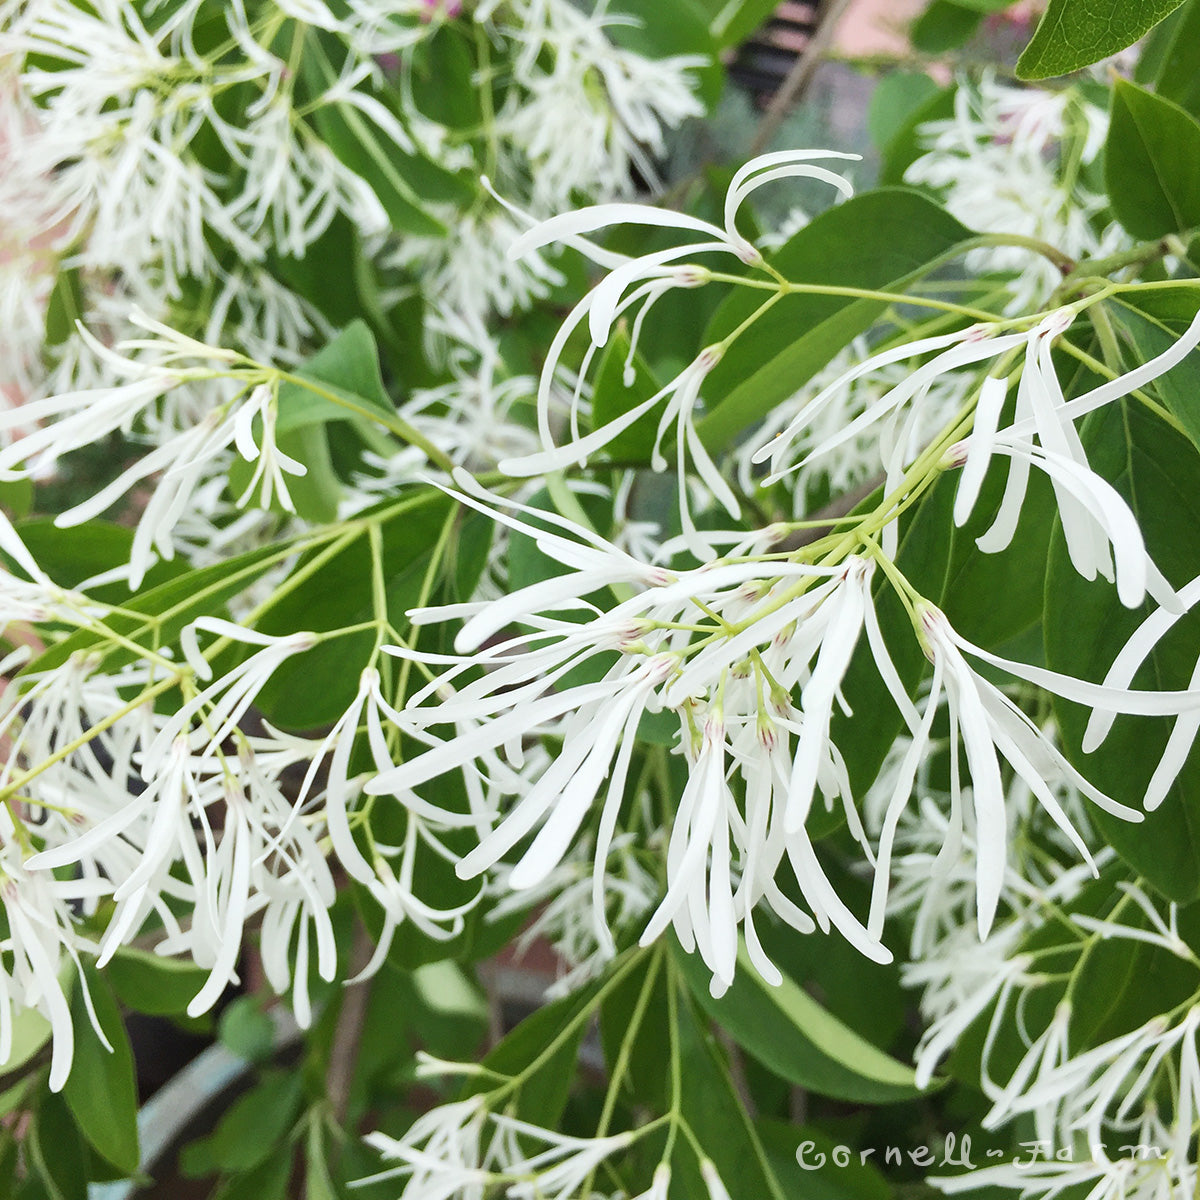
point(643, 730)
point(1019, 160)
point(123, 190)
point(1117, 1115)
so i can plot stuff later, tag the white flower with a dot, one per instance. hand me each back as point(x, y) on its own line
point(580, 138)
point(213, 713)
point(153, 847)
point(962, 985)
point(780, 625)
point(660, 1184)
point(713, 1183)
point(463, 1150)
point(1132, 655)
point(182, 458)
point(1093, 514)
point(1134, 1176)
point(856, 461)
point(645, 280)
point(996, 163)
point(290, 880)
point(699, 897)
point(990, 725)
point(558, 1171)
point(40, 941)
point(568, 902)
point(475, 417)
point(961, 348)
point(1044, 1054)
point(469, 269)
point(393, 890)
point(262, 404)
point(441, 1153)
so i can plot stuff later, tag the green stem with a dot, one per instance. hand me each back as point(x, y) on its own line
point(1101, 268)
point(855, 293)
point(1064, 262)
point(625, 1053)
point(618, 974)
point(392, 422)
point(19, 781)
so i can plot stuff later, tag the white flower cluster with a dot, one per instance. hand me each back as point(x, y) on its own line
point(1117, 1116)
point(1016, 160)
point(138, 166)
point(463, 1149)
point(187, 825)
point(192, 450)
point(735, 652)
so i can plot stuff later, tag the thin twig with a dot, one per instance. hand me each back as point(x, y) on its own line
point(799, 77)
point(840, 506)
point(347, 1033)
point(737, 1071)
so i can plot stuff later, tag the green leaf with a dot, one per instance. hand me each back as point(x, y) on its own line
point(72, 555)
point(543, 1095)
point(346, 383)
point(58, 1153)
point(648, 1070)
point(612, 397)
point(1152, 163)
point(341, 383)
point(14, 1098)
point(1157, 470)
point(711, 1105)
point(906, 145)
point(896, 97)
point(1152, 322)
point(879, 240)
point(1073, 34)
point(316, 687)
point(175, 604)
point(867, 996)
point(31, 1031)
point(733, 21)
point(319, 274)
point(445, 84)
point(798, 1039)
point(268, 1181)
point(101, 1090)
point(1120, 984)
point(827, 1173)
point(251, 1129)
point(356, 1162)
point(16, 497)
point(317, 492)
point(247, 1031)
point(152, 983)
point(318, 1184)
point(944, 26)
point(1178, 75)
point(65, 307)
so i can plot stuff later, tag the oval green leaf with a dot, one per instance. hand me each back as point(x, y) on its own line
point(1152, 163)
point(1073, 34)
point(786, 1029)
